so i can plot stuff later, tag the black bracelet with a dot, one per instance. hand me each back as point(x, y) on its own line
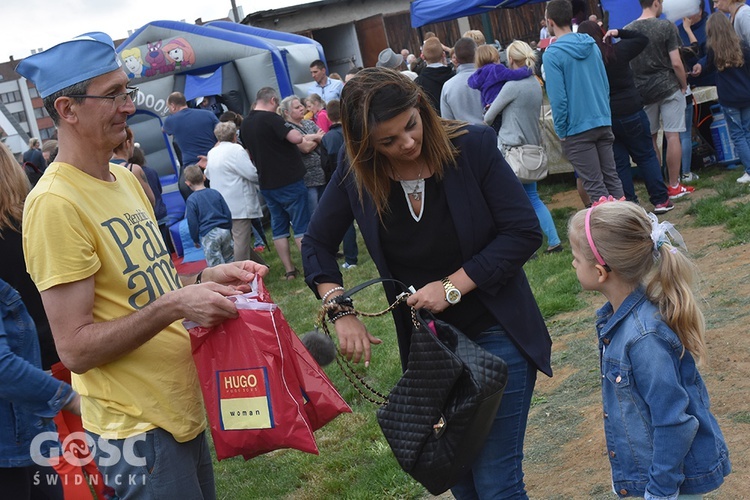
point(198, 278)
point(342, 300)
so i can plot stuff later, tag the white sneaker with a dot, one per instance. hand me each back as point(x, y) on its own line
point(346, 265)
point(744, 179)
point(688, 178)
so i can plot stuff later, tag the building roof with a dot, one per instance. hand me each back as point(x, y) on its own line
point(8, 71)
point(286, 11)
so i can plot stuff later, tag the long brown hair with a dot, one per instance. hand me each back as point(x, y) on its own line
point(595, 31)
point(622, 235)
point(724, 42)
point(14, 187)
point(373, 97)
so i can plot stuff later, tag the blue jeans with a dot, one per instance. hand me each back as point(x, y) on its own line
point(171, 470)
point(686, 138)
point(288, 203)
point(313, 196)
point(497, 472)
point(542, 213)
point(738, 121)
point(633, 139)
point(351, 251)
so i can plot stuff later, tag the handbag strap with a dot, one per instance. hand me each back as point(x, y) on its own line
point(357, 380)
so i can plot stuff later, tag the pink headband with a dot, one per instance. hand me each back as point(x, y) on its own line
point(591, 239)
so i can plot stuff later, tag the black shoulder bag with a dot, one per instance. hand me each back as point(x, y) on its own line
point(438, 415)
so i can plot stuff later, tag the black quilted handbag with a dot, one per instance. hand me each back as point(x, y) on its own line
point(440, 412)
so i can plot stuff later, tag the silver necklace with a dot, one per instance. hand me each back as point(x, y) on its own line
point(414, 188)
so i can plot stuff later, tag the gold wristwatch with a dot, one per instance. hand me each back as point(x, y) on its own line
point(452, 294)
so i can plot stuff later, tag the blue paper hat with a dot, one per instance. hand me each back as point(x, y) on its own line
point(86, 56)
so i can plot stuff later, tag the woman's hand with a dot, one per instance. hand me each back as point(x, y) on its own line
point(687, 24)
point(430, 297)
point(354, 339)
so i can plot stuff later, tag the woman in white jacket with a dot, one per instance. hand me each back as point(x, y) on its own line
point(233, 174)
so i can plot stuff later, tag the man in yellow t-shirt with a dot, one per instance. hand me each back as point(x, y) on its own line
point(109, 288)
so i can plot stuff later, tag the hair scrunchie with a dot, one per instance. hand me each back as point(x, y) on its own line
point(665, 232)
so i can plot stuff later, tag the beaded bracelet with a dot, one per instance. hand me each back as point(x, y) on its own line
point(329, 292)
point(341, 315)
point(333, 309)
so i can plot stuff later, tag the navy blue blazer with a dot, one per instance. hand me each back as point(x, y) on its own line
point(496, 225)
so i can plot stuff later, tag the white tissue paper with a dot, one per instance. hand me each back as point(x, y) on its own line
point(677, 9)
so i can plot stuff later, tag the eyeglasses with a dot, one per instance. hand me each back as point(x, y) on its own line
point(117, 99)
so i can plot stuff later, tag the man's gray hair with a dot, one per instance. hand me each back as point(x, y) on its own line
point(79, 88)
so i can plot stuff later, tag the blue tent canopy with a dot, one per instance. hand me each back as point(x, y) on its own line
point(423, 12)
point(435, 11)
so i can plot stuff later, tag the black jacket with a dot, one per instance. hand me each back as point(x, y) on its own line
point(497, 230)
point(624, 98)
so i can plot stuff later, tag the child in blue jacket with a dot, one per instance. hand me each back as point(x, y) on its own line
point(662, 440)
point(209, 219)
point(491, 75)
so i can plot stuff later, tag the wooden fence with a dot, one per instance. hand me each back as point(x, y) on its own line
point(506, 25)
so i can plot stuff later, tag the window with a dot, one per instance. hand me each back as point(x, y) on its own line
point(9, 97)
point(33, 92)
point(47, 133)
point(40, 112)
point(20, 116)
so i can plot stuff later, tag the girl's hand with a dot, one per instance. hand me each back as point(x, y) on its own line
point(611, 34)
point(687, 23)
point(354, 339)
point(696, 70)
point(430, 297)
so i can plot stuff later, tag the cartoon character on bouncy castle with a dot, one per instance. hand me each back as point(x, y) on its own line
point(133, 62)
point(180, 53)
point(157, 60)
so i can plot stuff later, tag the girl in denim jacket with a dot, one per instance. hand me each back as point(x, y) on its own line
point(662, 440)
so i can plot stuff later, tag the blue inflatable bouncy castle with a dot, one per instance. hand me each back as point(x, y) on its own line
point(226, 61)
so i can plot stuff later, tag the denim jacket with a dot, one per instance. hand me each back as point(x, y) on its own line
point(662, 439)
point(29, 397)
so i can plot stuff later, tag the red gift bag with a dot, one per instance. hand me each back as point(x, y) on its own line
point(323, 403)
point(257, 395)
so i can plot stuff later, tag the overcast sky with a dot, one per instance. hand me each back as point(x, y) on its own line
point(31, 24)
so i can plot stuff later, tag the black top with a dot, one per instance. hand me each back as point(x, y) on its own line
point(13, 272)
point(432, 80)
point(409, 249)
point(279, 162)
point(624, 98)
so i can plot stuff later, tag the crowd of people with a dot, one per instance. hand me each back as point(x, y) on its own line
point(102, 298)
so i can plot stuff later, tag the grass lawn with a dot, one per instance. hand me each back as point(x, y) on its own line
point(355, 460)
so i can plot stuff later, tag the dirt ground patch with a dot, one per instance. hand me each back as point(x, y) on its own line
point(565, 447)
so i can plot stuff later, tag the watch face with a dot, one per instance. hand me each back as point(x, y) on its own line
point(453, 296)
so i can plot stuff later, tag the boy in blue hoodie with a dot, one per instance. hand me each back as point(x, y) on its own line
point(578, 92)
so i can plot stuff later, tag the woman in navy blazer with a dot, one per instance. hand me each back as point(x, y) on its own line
point(439, 209)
